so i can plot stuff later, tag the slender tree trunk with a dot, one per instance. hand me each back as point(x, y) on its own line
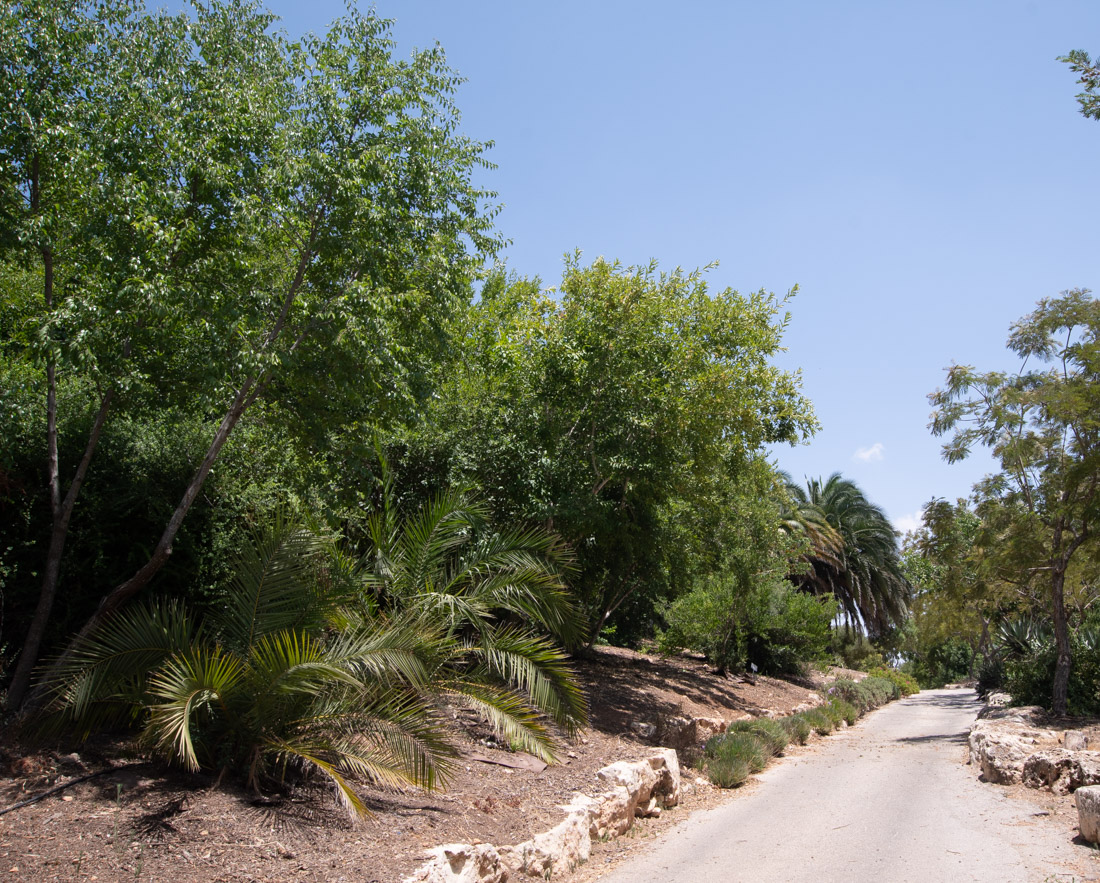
point(163, 550)
point(1061, 640)
point(62, 514)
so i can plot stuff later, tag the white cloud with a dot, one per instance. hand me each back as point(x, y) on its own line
point(875, 452)
point(907, 523)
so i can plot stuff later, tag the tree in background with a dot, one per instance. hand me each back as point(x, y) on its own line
point(955, 597)
point(1043, 426)
point(216, 217)
point(852, 552)
point(615, 413)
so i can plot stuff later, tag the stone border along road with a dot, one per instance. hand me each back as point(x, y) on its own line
point(887, 801)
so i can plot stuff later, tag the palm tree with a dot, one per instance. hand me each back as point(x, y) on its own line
point(498, 598)
point(852, 552)
point(262, 685)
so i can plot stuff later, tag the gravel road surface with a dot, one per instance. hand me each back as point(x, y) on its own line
point(890, 799)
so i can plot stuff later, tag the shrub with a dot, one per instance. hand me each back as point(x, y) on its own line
point(797, 727)
point(736, 621)
point(869, 693)
point(853, 650)
point(727, 772)
point(731, 757)
point(846, 710)
point(991, 675)
point(882, 690)
point(819, 721)
point(906, 684)
point(770, 732)
point(262, 687)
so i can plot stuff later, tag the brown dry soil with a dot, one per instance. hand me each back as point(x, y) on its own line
point(140, 821)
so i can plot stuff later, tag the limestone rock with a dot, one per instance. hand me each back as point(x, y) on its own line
point(553, 853)
point(461, 863)
point(705, 727)
point(999, 753)
point(639, 788)
point(666, 765)
point(677, 732)
point(1063, 772)
point(1075, 740)
point(1088, 812)
point(644, 730)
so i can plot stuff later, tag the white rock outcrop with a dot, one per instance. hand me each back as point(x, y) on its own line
point(1062, 771)
point(1088, 812)
point(635, 789)
point(1001, 742)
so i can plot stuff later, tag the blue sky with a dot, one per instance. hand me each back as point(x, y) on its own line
point(918, 169)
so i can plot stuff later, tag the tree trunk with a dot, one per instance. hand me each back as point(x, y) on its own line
point(1061, 640)
point(62, 513)
point(124, 592)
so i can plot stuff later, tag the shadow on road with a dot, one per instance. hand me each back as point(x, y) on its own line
point(956, 738)
point(967, 700)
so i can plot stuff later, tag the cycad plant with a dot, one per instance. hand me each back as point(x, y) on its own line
point(263, 686)
point(500, 601)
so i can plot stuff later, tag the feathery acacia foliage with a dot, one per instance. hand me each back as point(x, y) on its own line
point(852, 552)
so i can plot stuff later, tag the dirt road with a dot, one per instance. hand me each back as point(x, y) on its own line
point(888, 800)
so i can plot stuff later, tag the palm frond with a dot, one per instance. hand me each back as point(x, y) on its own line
point(105, 677)
point(273, 587)
point(197, 683)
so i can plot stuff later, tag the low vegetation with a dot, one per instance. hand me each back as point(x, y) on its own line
point(730, 758)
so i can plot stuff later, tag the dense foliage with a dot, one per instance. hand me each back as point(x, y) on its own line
point(246, 293)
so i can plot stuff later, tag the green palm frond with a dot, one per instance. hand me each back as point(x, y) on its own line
point(536, 668)
point(273, 587)
point(387, 655)
point(195, 686)
point(852, 552)
point(510, 715)
point(104, 679)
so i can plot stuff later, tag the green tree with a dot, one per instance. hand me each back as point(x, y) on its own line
point(1089, 99)
point(1043, 426)
point(863, 571)
point(956, 597)
point(613, 413)
point(220, 217)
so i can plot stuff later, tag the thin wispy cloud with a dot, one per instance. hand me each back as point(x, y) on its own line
point(906, 523)
point(873, 453)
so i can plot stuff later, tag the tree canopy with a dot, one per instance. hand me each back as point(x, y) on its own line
point(1042, 423)
point(217, 216)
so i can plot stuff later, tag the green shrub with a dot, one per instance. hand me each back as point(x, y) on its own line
point(834, 712)
point(731, 757)
point(991, 675)
point(771, 732)
point(727, 772)
point(906, 684)
point(853, 650)
point(797, 727)
point(871, 692)
point(846, 710)
point(879, 690)
point(819, 721)
point(735, 621)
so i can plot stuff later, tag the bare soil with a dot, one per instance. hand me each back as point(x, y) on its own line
point(141, 821)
